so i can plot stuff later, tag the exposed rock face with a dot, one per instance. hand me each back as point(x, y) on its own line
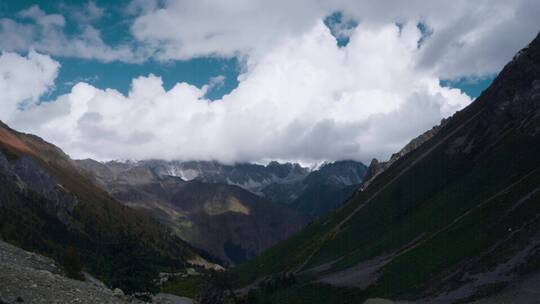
point(374, 169)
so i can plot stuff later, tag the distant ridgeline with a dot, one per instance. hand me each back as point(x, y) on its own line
point(287, 183)
point(234, 212)
point(454, 219)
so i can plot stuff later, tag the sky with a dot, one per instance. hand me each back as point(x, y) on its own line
point(249, 80)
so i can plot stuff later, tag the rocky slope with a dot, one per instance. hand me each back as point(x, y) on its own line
point(31, 278)
point(47, 206)
point(453, 220)
point(225, 220)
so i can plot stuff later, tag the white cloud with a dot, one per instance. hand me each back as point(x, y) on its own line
point(23, 79)
point(186, 29)
point(46, 33)
point(305, 99)
point(300, 97)
point(481, 39)
point(216, 82)
point(470, 38)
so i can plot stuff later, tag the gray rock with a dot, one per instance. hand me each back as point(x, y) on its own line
point(31, 278)
point(117, 292)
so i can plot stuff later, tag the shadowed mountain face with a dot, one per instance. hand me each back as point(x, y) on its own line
point(312, 192)
point(46, 205)
point(231, 211)
point(227, 221)
point(454, 219)
point(329, 187)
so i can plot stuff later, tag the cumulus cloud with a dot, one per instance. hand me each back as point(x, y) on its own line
point(481, 39)
point(23, 80)
point(305, 99)
point(469, 38)
point(34, 29)
point(186, 29)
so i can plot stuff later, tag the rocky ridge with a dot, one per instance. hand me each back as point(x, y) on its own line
point(376, 167)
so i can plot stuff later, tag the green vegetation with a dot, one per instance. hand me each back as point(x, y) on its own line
point(288, 289)
point(131, 266)
point(189, 286)
point(72, 264)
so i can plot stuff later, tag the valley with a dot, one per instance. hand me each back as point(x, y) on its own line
point(269, 152)
point(233, 212)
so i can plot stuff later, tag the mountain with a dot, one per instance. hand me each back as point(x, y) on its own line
point(227, 221)
point(47, 206)
point(329, 187)
point(251, 177)
point(375, 167)
point(312, 192)
point(453, 220)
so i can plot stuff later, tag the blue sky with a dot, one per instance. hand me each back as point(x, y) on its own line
point(472, 86)
point(118, 75)
point(114, 26)
point(307, 81)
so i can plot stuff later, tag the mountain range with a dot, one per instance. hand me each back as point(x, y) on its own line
point(285, 183)
point(227, 221)
point(234, 212)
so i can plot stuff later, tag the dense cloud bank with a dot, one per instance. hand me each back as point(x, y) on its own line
point(306, 99)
